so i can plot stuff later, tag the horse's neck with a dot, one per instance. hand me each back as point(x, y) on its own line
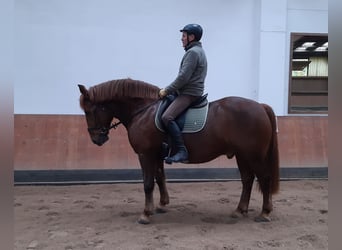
point(125, 110)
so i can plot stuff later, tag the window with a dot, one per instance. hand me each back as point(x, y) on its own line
point(308, 88)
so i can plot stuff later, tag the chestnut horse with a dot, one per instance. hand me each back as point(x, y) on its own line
point(235, 126)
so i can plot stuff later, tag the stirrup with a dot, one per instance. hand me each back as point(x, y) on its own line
point(170, 160)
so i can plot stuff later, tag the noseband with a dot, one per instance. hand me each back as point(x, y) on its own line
point(103, 130)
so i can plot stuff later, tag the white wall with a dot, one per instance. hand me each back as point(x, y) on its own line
point(61, 43)
point(272, 53)
point(304, 16)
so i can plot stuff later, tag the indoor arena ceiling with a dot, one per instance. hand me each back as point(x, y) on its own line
point(310, 46)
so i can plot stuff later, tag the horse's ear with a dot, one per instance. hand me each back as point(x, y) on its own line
point(83, 91)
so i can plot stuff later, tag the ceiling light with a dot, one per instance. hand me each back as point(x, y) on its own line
point(321, 48)
point(308, 44)
point(300, 49)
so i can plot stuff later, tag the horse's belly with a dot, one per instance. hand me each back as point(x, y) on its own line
point(207, 155)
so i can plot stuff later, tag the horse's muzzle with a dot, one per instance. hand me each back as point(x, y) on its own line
point(100, 140)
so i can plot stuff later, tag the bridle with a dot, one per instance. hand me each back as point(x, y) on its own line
point(105, 130)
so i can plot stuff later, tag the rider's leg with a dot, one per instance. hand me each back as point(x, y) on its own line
point(181, 154)
point(181, 103)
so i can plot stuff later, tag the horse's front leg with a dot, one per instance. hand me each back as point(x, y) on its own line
point(164, 195)
point(148, 169)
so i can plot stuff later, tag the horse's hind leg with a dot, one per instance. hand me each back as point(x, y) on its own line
point(267, 207)
point(247, 179)
point(164, 195)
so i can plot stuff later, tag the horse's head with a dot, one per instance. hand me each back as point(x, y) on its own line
point(98, 117)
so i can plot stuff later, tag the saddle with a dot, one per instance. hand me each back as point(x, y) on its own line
point(192, 120)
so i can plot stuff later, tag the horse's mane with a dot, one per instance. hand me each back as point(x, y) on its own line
point(122, 88)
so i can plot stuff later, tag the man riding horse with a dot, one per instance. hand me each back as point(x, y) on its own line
point(188, 87)
point(235, 127)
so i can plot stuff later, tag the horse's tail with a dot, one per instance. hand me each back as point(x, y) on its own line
point(273, 153)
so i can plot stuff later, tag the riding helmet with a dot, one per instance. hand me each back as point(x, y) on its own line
point(194, 29)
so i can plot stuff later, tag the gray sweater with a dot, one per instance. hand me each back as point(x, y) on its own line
point(192, 72)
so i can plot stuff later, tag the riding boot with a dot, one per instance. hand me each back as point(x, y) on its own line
point(181, 154)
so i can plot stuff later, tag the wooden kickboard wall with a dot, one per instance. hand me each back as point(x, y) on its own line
point(61, 142)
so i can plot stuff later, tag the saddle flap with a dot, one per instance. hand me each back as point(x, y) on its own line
point(190, 121)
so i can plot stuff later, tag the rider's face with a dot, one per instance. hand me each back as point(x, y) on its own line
point(187, 39)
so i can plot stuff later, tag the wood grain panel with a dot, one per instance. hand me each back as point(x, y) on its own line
point(62, 142)
point(303, 140)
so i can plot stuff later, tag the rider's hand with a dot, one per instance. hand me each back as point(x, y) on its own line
point(162, 93)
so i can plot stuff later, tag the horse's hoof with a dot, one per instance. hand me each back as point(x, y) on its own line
point(144, 219)
point(161, 209)
point(237, 214)
point(262, 218)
